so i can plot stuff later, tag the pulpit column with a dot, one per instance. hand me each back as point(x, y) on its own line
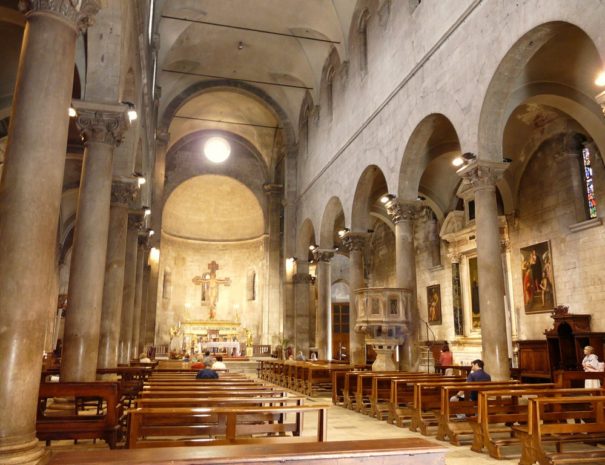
point(30, 197)
point(122, 194)
point(355, 243)
point(102, 126)
point(138, 293)
point(302, 281)
point(402, 214)
point(130, 269)
point(482, 177)
point(323, 330)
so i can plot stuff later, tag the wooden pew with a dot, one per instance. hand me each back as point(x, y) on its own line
point(213, 392)
point(408, 451)
point(498, 410)
point(548, 425)
point(61, 424)
point(452, 427)
point(172, 402)
point(338, 383)
point(163, 427)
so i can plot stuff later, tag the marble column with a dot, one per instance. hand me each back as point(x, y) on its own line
point(301, 330)
point(482, 177)
point(162, 138)
point(122, 194)
point(130, 269)
point(355, 243)
point(323, 328)
point(102, 126)
point(30, 197)
point(138, 294)
point(402, 214)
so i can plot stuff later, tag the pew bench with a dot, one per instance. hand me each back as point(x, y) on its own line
point(547, 425)
point(64, 424)
point(498, 410)
point(218, 401)
point(184, 392)
point(408, 451)
point(166, 427)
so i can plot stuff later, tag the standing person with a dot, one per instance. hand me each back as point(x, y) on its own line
point(446, 358)
point(590, 363)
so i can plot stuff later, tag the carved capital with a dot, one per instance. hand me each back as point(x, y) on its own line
point(482, 175)
point(162, 137)
point(504, 245)
point(143, 240)
point(301, 278)
point(77, 13)
point(323, 255)
point(453, 254)
point(273, 189)
point(101, 122)
point(355, 241)
point(135, 220)
point(123, 193)
point(401, 211)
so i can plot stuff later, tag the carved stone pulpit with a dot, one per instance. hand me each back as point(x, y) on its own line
point(382, 315)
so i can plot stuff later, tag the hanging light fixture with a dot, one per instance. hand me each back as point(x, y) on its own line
point(217, 149)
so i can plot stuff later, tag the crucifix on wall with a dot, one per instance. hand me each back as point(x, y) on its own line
point(210, 284)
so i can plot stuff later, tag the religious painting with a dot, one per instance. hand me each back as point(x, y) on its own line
point(433, 299)
point(537, 278)
point(473, 274)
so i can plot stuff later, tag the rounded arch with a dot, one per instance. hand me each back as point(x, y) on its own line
point(305, 238)
point(332, 219)
point(371, 185)
point(510, 77)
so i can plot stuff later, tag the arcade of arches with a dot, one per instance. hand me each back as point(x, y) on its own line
point(398, 173)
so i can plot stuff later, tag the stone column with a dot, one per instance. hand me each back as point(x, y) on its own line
point(162, 138)
point(482, 177)
point(355, 243)
point(30, 197)
point(130, 269)
point(122, 194)
point(143, 339)
point(152, 298)
point(102, 126)
point(138, 294)
point(302, 281)
point(323, 328)
point(402, 214)
point(274, 268)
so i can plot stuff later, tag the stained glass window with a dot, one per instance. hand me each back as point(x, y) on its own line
point(591, 201)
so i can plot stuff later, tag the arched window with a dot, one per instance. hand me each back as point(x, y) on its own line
point(251, 285)
point(304, 131)
point(363, 40)
point(588, 182)
point(330, 89)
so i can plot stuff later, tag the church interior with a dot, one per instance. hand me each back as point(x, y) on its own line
point(359, 183)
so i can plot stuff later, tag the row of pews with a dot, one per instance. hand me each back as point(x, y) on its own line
point(174, 417)
point(548, 423)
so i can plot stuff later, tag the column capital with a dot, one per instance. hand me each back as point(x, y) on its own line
point(454, 254)
point(482, 174)
point(400, 211)
point(162, 136)
point(355, 241)
point(100, 122)
point(302, 278)
point(76, 13)
point(323, 255)
point(273, 189)
point(123, 193)
point(135, 220)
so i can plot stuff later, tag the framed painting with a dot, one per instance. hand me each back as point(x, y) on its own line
point(433, 299)
point(537, 278)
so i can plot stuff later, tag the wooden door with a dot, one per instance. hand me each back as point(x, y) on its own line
point(340, 331)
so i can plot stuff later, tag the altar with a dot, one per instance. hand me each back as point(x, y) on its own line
point(212, 335)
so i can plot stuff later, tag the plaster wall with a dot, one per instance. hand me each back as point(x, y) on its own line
point(185, 259)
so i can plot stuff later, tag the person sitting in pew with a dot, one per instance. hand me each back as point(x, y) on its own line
point(206, 373)
point(477, 374)
point(219, 364)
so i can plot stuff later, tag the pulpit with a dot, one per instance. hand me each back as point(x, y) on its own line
point(382, 315)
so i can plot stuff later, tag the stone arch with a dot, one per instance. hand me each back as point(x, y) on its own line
point(371, 185)
point(496, 108)
point(329, 223)
point(305, 238)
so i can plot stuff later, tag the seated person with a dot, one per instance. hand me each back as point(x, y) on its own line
point(300, 356)
point(198, 365)
point(186, 358)
point(143, 358)
point(208, 359)
point(219, 365)
point(206, 373)
point(476, 375)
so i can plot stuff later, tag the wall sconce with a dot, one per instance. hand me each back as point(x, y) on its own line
point(151, 232)
point(146, 211)
point(312, 247)
point(386, 198)
point(464, 159)
point(140, 178)
point(600, 80)
point(132, 112)
point(342, 232)
point(154, 255)
point(72, 112)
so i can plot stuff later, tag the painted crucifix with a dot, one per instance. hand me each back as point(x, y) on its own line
point(210, 283)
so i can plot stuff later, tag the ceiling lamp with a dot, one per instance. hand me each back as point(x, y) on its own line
point(217, 149)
